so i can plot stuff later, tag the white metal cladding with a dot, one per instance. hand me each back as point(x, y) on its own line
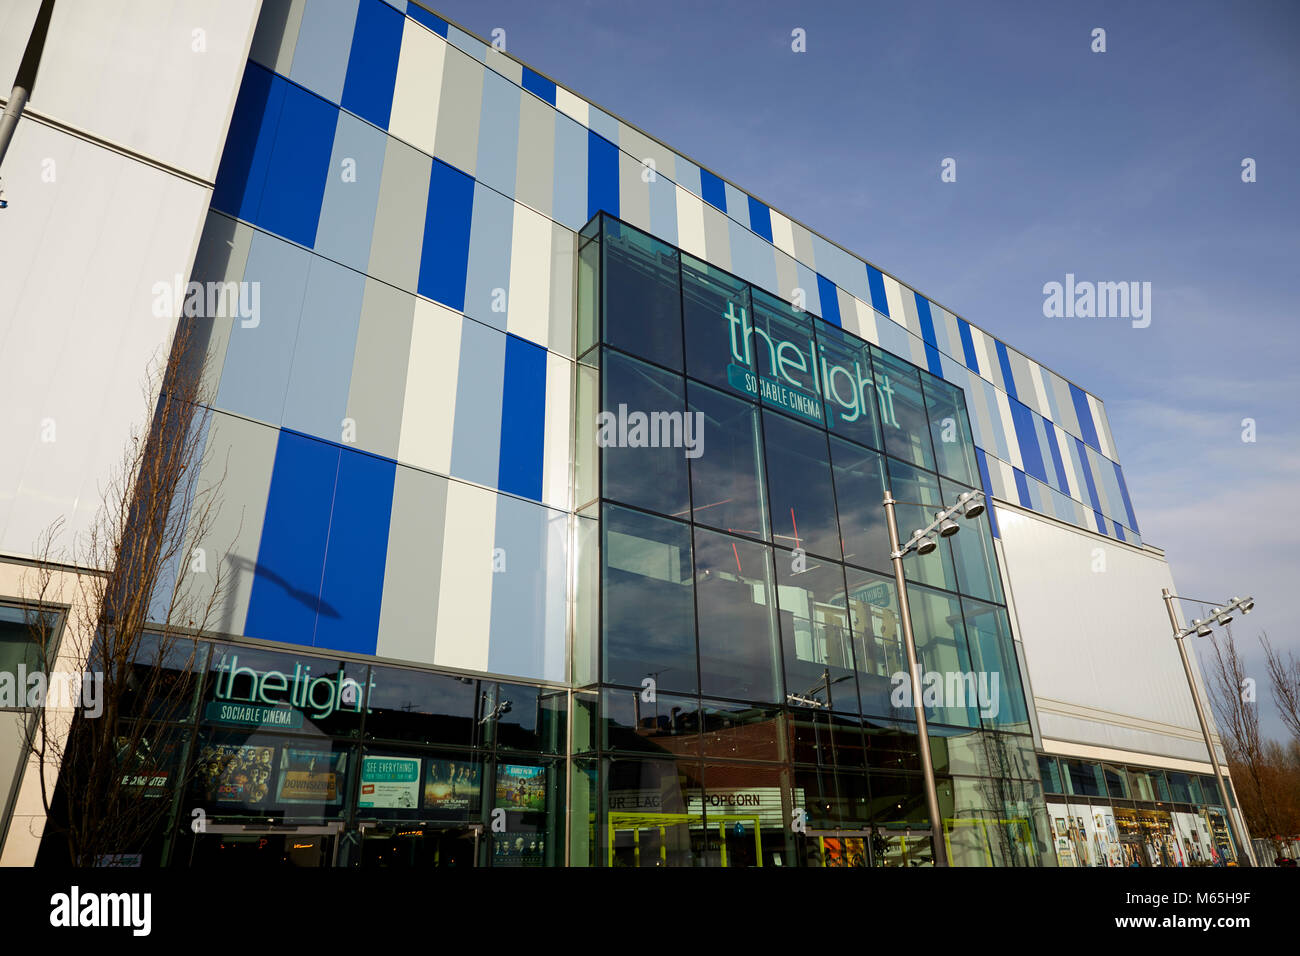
point(91, 227)
point(1101, 656)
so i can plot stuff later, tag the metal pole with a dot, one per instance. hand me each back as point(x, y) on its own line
point(918, 706)
point(1243, 845)
point(9, 119)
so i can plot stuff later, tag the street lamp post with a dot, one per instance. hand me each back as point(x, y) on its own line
point(1202, 628)
point(970, 505)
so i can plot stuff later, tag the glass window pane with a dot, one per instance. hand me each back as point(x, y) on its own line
point(716, 313)
point(847, 385)
point(799, 486)
point(531, 792)
point(1083, 778)
point(878, 641)
point(785, 357)
point(645, 436)
point(954, 448)
point(815, 635)
point(747, 814)
point(655, 814)
point(1050, 774)
point(647, 601)
point(742, 731)
point(642, 302)
point(739, 649)
point(859, 499)
point(972, 550)
point(947, 677)
point(1116, 782)
point(530, 718)
point(997, 672)
point(904, 420)
point(910, 485)
point(21, 639)
point(418, 706)
point(727, 478)
point(669, 726)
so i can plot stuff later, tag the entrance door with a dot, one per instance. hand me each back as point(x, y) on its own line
point(837, 848)
point(235, 847)
point(419, 846)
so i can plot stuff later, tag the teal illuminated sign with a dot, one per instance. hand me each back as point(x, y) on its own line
point(790, 367)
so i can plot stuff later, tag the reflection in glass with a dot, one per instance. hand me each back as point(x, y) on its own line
point(644, 438)
point(919, 500)
point(716, 311)
point(879, 651)
point(655, 814)
point(947, 675)
point(739, 649)
point(954, 448)
point(642, 303)
point(903, 417)
point(727, 479)
point(972, 551)
point(860, 495)
point(666, 726)
point(785, 356)
point(993, 652)
point(799, 486)
point(647, 604)
point(421, 707)
point(816, 639)
point(742, 731)
point(847, 385)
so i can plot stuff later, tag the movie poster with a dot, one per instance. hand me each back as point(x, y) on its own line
point(453, 786)
point(234, 774)
point(311, 776)
point(521, 788)
point(390, 783)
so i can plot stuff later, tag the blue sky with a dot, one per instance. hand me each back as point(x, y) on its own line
point(1115, 166)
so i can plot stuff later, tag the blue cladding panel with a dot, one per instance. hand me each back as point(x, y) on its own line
point(444, 255)
point(569, 201)
point(1119, 531)
point(300, 159)
point(242, 175)
point(523, 419)
point(347, 218)
point(488, 275)
point(760, 219)
point(713, 190)
point(320, 58)
point(353, 583)
point(317, 396)
point(1123, 493)
point(927, 334)
point(1057, 461)
point(476, 436)
point(372, 67)
point(602, 175)
point(968, 345)
point(988, 489)
point(1004, 360)
point(876, 282)
point(498, 134)
point(285, 596)
point(1087, 475)
point(539, 85)
point(1022, 489)
point(420, 15)
point(830, 300)
point(1030, 453)
point(1084, 413)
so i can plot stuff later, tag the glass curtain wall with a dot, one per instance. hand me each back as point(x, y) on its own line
point(745, 687)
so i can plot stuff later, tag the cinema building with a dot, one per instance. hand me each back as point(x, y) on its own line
point(552, 468)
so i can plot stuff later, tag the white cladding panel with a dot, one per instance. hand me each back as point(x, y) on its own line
point(91, 230)
point(155, 76)
point(1101, 656)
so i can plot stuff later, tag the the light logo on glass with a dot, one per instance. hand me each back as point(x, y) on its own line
point(798, 378)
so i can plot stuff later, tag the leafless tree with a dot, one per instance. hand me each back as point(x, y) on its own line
point(1284, 676)
point(144, 590)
